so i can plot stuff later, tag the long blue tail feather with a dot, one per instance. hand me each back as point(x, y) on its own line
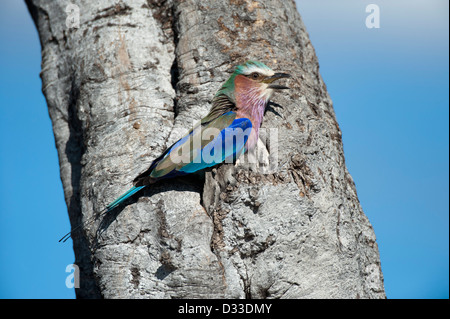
point(123, 197)
point(108, 208)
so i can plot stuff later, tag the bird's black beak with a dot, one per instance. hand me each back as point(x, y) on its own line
point(275, 77)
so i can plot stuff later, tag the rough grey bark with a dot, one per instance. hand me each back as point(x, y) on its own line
point(124, 85)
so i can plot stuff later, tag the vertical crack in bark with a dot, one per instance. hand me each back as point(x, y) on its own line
point(74, 151)
point(174, 77)
point(174, 71)
point(163, 11)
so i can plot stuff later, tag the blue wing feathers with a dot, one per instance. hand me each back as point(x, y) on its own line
point(225, 147)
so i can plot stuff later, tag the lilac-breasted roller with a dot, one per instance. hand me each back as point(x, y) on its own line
point(229, 129)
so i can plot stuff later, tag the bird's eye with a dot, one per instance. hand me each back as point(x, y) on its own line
point(254, 75)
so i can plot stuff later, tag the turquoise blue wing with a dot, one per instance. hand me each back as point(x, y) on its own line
point(225, 146)
point(221, 139)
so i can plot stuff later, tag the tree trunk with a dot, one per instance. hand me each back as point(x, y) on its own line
point(127, 83)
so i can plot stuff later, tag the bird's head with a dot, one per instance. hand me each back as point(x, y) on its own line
point(254, 80)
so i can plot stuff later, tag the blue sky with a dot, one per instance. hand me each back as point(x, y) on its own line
point(389, 87)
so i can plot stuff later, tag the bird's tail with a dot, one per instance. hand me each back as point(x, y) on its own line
point(108, 208)
point(133, 190)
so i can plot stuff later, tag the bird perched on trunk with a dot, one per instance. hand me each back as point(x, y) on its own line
point(229, 129)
